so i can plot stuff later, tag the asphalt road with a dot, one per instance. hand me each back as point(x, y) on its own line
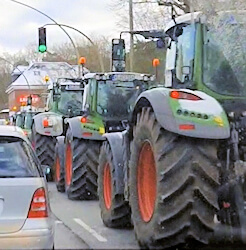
point(66, 239)
point(83, 219)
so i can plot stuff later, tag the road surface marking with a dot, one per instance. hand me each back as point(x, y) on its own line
point(58, 222)
point(90, 230)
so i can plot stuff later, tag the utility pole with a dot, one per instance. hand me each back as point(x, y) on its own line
point(131, 34)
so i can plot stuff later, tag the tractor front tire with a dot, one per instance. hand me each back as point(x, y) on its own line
point(81, 164)
point(60, 165)
point(44, 147)
point(115, 211)
point(173, 186)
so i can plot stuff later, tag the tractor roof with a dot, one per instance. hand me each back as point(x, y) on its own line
point(187, 18)
point(67, 81)
point(200, 17)
point(138, 76)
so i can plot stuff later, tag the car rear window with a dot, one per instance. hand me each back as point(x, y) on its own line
point(17, 159)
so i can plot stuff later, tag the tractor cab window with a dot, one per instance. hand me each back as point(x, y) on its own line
point(70, 102)
point(49, 103)
point(20, 121)
point(184, 36)
point(224, 55)
point(28, 120)
point(117, 99)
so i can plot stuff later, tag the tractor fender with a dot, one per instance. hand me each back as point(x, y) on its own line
point(203, 118)
point(55, 126)
point(79, 132)
point(117, 145)
point(60, 140)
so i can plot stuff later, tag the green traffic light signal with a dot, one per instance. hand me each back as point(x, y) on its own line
point(42, 40)
point(42, 48)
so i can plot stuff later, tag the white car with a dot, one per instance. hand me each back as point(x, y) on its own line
point(25, 215)
point(2, 122)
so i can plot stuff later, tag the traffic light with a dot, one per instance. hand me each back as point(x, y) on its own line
point(42, 40)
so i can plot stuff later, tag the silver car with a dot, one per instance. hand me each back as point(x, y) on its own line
point(25, 216)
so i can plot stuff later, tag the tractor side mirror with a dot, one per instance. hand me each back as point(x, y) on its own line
point(56, 94)
point(186, 71)
point(160, 44)
point(87, 108)
point(163, 43)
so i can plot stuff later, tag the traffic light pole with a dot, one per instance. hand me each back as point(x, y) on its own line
point(42, 13)
point(88, 38)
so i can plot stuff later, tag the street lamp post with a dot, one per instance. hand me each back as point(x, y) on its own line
point(5, 60)
point(88, 38)
point(42, 13)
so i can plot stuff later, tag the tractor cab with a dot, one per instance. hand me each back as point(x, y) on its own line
point(20, 119)
point(207, 53)
point(112, 96)
point(65, 96)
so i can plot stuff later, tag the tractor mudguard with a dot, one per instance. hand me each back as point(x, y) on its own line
point(116, 142)
point(201, 117)
point(48, 124)
point(79, 131)
point(60, 140)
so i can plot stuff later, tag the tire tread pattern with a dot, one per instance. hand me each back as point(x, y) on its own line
point(188, 179)
point(84, 169)
point(119, 215)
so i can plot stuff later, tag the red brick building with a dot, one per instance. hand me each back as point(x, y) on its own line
point(32, 81)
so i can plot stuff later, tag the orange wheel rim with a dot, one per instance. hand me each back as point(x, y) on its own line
point(146, 182)
point(68, 164)
point(107, 186)
point(58, 167)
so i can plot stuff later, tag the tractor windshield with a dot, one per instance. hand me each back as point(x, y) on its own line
point(19, 120)
point(116, 99)
point(28, 120)
point(224, 53)
point(70, 102)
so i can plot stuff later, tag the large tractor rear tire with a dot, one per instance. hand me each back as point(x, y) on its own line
point(81, 171)
point(173, 186)
point(45, 149)
point(60, 164)
point(115, 211)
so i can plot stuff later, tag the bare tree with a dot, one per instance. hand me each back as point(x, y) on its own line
point(147, 14)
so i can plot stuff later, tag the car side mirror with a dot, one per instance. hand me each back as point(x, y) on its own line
point(46, 171)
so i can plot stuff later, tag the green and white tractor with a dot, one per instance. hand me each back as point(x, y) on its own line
point(24, 120)
point(108, 102)
point(178, 171)
point(64, 101)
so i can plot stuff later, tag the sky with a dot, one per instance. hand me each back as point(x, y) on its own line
point(19, 25)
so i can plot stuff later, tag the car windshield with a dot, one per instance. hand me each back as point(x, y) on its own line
point(70, 101)
point(16, 159)
point(225, 55)
point(116, 99)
